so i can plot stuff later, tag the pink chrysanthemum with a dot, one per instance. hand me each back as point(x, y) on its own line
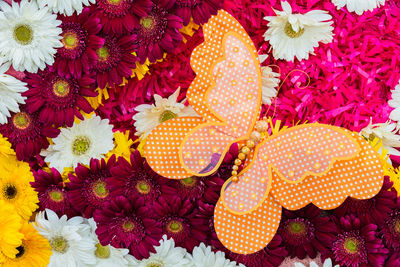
point(51, 192)
point(115, 60)
point(126, 222)
point(89, 188)
point(178, 221)
point(391, 228)
point(375, 210)
point(58, 99)
point(80, 42)
point(158, 32)
point(27, 134)
point(136, 178)
point(357, 244)
point(306, 232)
point(120, 17)
point(200, 10)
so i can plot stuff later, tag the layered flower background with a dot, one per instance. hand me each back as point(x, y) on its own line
point(83, 82)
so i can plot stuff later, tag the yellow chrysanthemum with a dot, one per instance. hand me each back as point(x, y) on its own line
point(96, 101)
point(35, 250)
point(10, 224)
point(16, 190)
point(122, 147)
point(189, 29)
point(5, 147)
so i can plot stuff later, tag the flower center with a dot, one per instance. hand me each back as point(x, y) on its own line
point(23, 34)
point(70, 40)
point(56, 195)
point(189, 182)
point(80, 145)
point(114, 2)
point(102, 53)
point(61, 88)
point(100, 189)
point(154, 263)
point(59, 244)
point(292, 33)
point(148, 23)
point(10, 191)
point(167, 115)
point(21, 251)
point(143, 187)
point(175, 227)
point(21, 120)
point(351, 245)
point(128, 226)
point(297, 227)
point(102, 252)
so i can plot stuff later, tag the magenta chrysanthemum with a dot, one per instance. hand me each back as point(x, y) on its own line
point(306, 231)
point(391, 227)
point(136, 178)
point(58, 99)
point(357, 244)
point(115, 60)
point(128, 223)
point(375, 210)
point(200, 10)
point(27, 134)
point(89, 188)
point(121, 16)
point(158, 32)
point(178, 221)
point(80, 42)
point(51, 192)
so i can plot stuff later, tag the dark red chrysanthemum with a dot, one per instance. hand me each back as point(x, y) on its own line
point(393, 259)
point(51, 192)
point(27, 134)
point(89, 188)
point(271, 256)
point(306, 232)
point(158, 32)
point(179, 222)
point(126, 222)
point(121, 16)
point(391, 227)
point(200, 10)
point(115, 60)
point(80, 42)
point(58, 99)
point(375, 210)
point(357, 244)
point(136, 178)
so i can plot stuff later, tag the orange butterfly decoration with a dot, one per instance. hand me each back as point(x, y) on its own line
point(310, 163)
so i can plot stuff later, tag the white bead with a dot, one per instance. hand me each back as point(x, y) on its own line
point(261, 126)
point(255, 136)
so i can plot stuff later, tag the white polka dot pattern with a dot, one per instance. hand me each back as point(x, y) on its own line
point(246, 234)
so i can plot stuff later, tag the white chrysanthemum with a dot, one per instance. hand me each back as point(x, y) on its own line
point(395, 103)
point(387, 133)
point(167, 255)
point(358, 6)
point(91, 138)
point(327, 263)
point(10, 94)
point(29, 35)
point(106, 256)
point(296, 35)
point(150, 116)
point(202, 256)
point(65, 7)
point(69, 239)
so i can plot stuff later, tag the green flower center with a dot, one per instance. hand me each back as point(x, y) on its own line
point(175, 227)
point(189, 182)
point(297, 227)
point(56, 196)
point(167, 115)
point(21, 120)
point(61, 88)
point(102, 53)
point(351, 245)
point(397, 226)
point(148, 23)
point(292, 33)
point(100, 189)
point(143, 187)
point(21, 251)
point(10, 191)
point(102, 252)
point(80, 145)
point(128, 226)
point(70, 40)
point(114, 2)
point(59, 244)
point(23, 34)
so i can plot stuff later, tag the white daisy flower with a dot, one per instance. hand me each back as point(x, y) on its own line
point(395, 103)
point(91, 138)
point(202, 256)
point(10, 94)
point(69, 239)
point(296, 35)
point(150, 116)
point(65, 7)
point(327, 263)
point(387, 133)
point(107, 256)
point(167, 255)
point(29, 35)
point(358, 6)
point(270, 81)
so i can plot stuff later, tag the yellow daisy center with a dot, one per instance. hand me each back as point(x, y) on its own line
point(59, 244)
point(70, 40)
point(23, 34)
point(175, 226)
point(102, 53)
point(154, 264)
point(21, 120)
point(292, 33)
point(102, 252)
point(10, 191)
point(61, 88)
point(80, 145)
point(167, 115)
